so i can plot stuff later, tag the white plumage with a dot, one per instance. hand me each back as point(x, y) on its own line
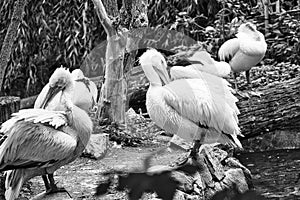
point(40, 141)
point(202, 61)
point(84, 96)
point(244, 51)
point(201, 109)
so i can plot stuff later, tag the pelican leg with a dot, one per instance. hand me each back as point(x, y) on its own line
point(235, 81)
point(248, 78)
point(46, 182)
point(54, 188)
point(195, 150)
point(193, 154)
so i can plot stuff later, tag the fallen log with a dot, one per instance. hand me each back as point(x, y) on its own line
point(273, 108)
point(276, 108)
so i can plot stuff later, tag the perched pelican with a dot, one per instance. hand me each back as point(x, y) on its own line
point(198, 109)
point(244, 51)
point(201, 61)
point(84, 96)
point(40, 141)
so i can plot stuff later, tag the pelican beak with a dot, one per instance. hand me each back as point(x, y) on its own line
point(50, 94)
point(164, 76)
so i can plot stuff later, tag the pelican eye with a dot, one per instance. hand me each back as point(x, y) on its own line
point(250, 27)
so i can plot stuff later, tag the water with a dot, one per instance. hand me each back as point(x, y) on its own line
point(276, 173)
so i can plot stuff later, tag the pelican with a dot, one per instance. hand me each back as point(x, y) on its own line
point(201, 61)
point(40, 141)
point(85, 95)
point(201, 110)
point(244, 51)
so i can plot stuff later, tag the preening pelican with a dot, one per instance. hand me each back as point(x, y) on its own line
point(198, 109)
point(244, 51)
point(84, 96)
point(40, 141)
point(86, 92)
point(203, 62)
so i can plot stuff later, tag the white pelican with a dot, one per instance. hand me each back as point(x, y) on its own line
point(201, 61)
point(84, 95)
point(244, 51)
point(40, 141)
point(201, 110)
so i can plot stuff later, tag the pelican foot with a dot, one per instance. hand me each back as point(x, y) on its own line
point(244, 95)
point(192, 158)
point(54, 189)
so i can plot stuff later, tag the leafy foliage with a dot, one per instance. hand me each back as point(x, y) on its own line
point(55, 33)
point(284, 38)
point(52, 33)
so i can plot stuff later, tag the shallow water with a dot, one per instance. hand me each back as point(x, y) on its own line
point(276, 174)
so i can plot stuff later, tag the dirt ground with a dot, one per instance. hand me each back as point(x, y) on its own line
point(276, 173)
point(81, 177)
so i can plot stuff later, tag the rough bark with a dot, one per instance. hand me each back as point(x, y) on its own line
point(113, 94)
point(8, 105)
point(277, 108)
point(10, 37)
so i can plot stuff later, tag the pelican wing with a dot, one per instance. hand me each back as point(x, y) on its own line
point(32, 144)
point(229, 49)
point(205, 64)
point(207, 101)
point(53, 118)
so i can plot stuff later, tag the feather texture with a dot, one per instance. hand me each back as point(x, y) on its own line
point(195, 105)
point(244, 51)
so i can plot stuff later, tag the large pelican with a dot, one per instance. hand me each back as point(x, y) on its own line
point(244, 51)
point(198, 109)
point(40, 141)
point(84, 96)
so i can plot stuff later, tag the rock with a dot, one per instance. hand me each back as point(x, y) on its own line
point(97, 146)
point(55, 196)
point(235, 178)
point(217, 174)
point(177, 142)
point(185, 180)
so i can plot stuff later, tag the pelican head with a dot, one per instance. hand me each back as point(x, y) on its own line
point(248, 29)
point(155, 67)
point(62, 82)
point(77, 74)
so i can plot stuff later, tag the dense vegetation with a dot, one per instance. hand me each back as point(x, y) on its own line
point(55, 33)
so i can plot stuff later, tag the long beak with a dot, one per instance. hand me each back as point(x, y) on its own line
point(164, 76)
point(50, 94)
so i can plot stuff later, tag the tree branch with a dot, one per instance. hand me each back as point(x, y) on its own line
point(10, 37)
point(103, 17)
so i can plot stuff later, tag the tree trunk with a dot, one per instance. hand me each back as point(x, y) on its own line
point(113, 93)
point(10, 37)
point(8, 105)
point(278, 108)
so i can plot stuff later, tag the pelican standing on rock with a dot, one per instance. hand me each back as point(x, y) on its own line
point(40, 141)
point(244, 51)
point(199, 109)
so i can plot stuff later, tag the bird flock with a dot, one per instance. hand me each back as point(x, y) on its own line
point(52, 134)
point(195, 103)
